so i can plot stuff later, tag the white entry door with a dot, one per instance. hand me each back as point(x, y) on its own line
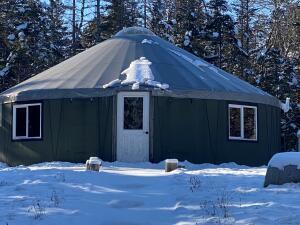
point(133, 127)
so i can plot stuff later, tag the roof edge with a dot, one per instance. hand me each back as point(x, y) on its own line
point(31, 95)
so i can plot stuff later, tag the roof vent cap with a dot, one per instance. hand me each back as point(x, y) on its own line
point(134, 31)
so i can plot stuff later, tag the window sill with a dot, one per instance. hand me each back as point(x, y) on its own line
point(241, 139)
point(27, 139)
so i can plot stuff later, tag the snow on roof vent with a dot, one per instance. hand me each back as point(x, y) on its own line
point(134, 31)
point(138, 72)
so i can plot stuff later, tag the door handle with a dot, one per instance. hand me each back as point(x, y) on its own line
point(146, 132)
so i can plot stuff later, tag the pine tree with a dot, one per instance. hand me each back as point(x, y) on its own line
point(157, 16)
point(121, 14)
point(4, 39)
point(165, 28)
point(97, 29)
point(98, 22)
point(144, 9)
point(245, 11)
point(90, 34)
point(57, 41)
point(190, 22)
point(222, 47)
point(27, 31)
point(162, 19)
point(276, 74)
point(131, 14)
point(276, 63)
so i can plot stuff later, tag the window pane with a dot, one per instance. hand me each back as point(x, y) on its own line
point(20, 122)
point(249, 123)
point(235, 122)
point(34, 121)
point(133, 113)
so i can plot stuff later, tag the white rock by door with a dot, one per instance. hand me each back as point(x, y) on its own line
point(133, 127)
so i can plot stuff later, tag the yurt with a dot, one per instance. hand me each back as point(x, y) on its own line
point(133, 98)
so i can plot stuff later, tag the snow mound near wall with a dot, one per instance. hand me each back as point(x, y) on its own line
point(3, 165)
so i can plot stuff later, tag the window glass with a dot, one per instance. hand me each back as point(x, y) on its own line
point(235, 122)
point(20, 122)
point(27, 121)
point(249, 123)
point(133, 113)
point(34, 121)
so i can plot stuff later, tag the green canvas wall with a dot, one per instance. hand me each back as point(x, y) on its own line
point(73, 130)
point(197, 130)
point(187, 129)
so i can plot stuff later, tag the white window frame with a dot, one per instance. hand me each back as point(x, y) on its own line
point(241, 107)
point(15, 107)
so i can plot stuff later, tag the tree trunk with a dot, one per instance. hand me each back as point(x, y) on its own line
point(98, 31)
point(74, 24)
point(145, 13)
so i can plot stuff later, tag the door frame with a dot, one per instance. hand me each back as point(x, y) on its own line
point(115, 121)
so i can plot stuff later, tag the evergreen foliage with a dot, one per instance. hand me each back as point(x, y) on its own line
point(33, 36)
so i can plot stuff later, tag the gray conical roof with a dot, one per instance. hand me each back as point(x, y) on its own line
point(86, 74)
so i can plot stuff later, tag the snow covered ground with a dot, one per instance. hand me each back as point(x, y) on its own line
point(129, 194)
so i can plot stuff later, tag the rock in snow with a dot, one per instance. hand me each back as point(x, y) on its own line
point(290, 174)
point(283, 168)
point(93, 163)
point(280, 160)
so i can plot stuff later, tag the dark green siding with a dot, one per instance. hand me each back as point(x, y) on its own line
point(197, 130)
point(188, 129)
point(73, 130)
